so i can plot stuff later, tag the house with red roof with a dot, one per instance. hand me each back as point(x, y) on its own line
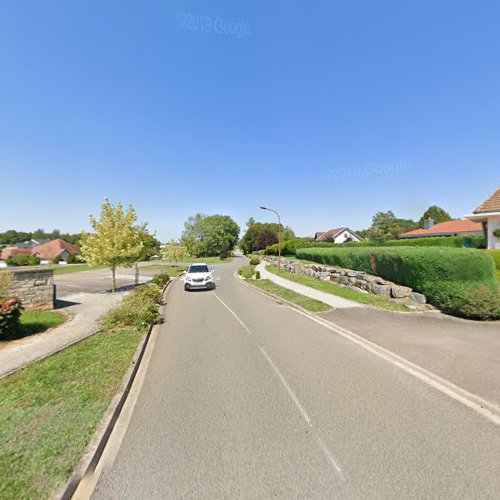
point(462, 227)
point(46, 252)
point(488, 214)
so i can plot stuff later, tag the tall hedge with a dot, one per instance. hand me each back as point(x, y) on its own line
point(414, 267)
point(449, 277)
point(289, 247)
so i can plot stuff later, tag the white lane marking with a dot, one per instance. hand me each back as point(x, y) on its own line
point(231, 311)
point(327, 452)
point(329, 455)
point(287, 387)
point(481, 406)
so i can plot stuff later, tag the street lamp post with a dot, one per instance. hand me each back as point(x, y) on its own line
point(279, 235)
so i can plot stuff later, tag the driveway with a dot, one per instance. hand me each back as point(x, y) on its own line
point(245, 397)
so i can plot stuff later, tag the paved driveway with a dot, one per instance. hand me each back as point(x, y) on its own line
point(247, 398)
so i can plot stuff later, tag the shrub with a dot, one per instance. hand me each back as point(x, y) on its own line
point(449, 277)
point(496, 257)
point(254, 261)
point(10, 314)
point(161, 279)
point(139, 309)
point(468, 301)
point(247, 272)
point(71, 259)
point(290, 247)
point(496, 233)
point(22, 260)
point(57, 259)
point(257, 275)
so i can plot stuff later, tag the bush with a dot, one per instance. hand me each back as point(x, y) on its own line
point(247, 272)
point(449, 277)
point(257, 275)
point(290, 247)
point(468, 301)
point(254, 261)
point(496, 257)
point(57, 259)
point(161, 279)
point(139, 309)
point(10, 314)
point(71, 259)
point(22, 260)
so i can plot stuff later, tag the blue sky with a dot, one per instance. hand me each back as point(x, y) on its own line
point(327, 111)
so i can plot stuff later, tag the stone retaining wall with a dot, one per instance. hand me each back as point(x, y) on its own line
point(34, 286)
point(358, 281)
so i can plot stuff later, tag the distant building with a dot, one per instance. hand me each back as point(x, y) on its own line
point(338, 235)
point(488, 213)
point(32, 243)
point(449, 228)
point(46, 252)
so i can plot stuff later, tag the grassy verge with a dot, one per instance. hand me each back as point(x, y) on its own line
point(212, 260)
point(75, 268)
point(33, 322)
point(51, 409)
point(172, 271)
point(246, 271)
point(346, 293)
point(294, 297)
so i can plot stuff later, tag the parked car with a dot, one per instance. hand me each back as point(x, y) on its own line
point(199, 276)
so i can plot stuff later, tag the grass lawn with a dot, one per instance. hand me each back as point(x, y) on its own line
point(172, 271)
point(294, 297)
point(76, 268)
point(36, 322)
point(346, 293)
point(50, 410)
point(212, 260)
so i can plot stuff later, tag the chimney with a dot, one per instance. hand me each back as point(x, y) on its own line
point(428, 223)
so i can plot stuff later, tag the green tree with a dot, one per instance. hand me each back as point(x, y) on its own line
point(435, 213)
point(174, 252)
point(215, 234)
point(116, 241)
point(258, 233)
point(190, 235)
point(151, 244)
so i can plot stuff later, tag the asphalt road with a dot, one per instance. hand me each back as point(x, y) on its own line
point(246, 398)
point(98, 281)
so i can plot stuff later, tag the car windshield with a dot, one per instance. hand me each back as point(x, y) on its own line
point(198, 269)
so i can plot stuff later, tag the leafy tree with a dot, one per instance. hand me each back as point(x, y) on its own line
point(116, 241)
point(151, 244)
point(211, 235)
point(386, 226)
point(190, 234)
point(435, 213)
point(250, 222)
point(258, 233)
point(174, 251)
point(39, 234)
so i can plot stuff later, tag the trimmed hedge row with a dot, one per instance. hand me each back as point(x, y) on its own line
point(458, 281)
point(438, 241)
point(289, 247)
point(496, 257)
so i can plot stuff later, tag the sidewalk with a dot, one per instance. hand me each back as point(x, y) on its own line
point(327, 298)
point(84, 311)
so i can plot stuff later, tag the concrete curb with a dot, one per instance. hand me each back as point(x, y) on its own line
point(277, 297)
point(96, 446)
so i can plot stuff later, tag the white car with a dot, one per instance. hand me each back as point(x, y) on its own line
point(198, 276)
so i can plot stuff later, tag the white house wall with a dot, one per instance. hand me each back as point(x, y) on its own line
point(493, 224)
point(344, 236)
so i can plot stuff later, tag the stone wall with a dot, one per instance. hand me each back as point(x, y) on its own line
point(34, 286)
point(358, 281)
